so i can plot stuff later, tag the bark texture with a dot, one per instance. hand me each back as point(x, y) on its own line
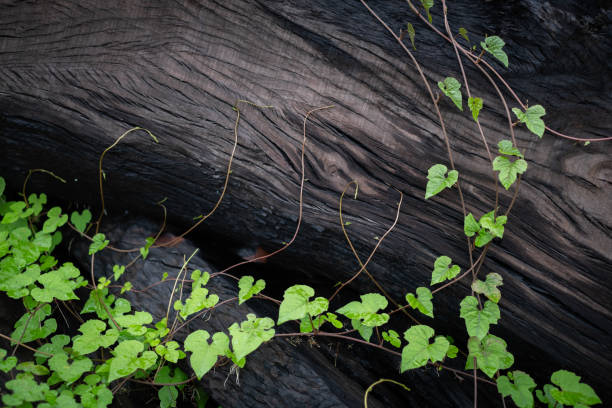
point(76, 76)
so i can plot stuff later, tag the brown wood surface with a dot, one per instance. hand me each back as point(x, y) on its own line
point(74, 76)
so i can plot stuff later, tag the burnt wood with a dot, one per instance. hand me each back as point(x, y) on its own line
point(76, 76)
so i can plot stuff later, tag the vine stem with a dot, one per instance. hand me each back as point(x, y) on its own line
point(301, 202)
point(363, 265)
point(382, 380)
point(19, 343)
point(378, 285)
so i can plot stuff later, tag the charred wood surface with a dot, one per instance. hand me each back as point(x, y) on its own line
point(76, 76)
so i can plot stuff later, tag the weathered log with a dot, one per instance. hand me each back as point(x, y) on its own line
point(76, 77)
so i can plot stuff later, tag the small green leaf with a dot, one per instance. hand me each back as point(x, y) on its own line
point(508, 170)
point(296, 304)
point(470, 225)
point(128, 358)
point(59, 284)
point(2, 186)
point(250, 334)
point(495, 227)
point(419, 350)
point(98, 243)
point(427, 4)
point(37, 328)
point(69, 371)
point(475, 105)
point(519, 385)
point(144, 251)
point(422, 302)
point(506, 147)
point(531, 117)
point(55, 220)
point(118, 270)
point(24, 390)
point(92, 337)
point(463, 32)
point(443, 270)
point(6, 364)
point(571, 391)
point(490, 354)
point(199, 299)
point(489, 287)
point(37, 202)
point(392, 337)
point(411, 34)
point(167, 396)
point(306, 326)
point(80, 221)
point(451, 88)
point(247, 289)
point(494, 45)
point(33, 368)
point(127, 286)
point(545, 397)
point(438, 180)
point(169, 351)
point(477, 321)
point(365, 311)
point(364, 331)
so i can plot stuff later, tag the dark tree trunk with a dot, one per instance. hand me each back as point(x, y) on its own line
point(76, 76)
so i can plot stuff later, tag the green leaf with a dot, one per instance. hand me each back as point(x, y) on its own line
point(477, 321)
point(438, 180)
point(508, 170)
point(33, 368)
point(2, 186)
point(571, 391)
point(494, 45)
point(133, 322)
point(495, 227)
point(419, 350)
point(365, 311)
point(37, 328)
point(531, 117)
point(167, 396)
point(489, 287)
point(16, 212)
point(37, 202)
point(164, 376)
point(470, 225)
point(250, 334)
point(443, 271)
point(247, 290)
point(80, 221)
point(463, 32)
point(118, 270)
point(451, 88)
point(546, 397)
point(204, 355)
point(427, 4)
point(144, 251)
point(56, 346)
point(59, 284)
point(55, 220)
point(306, 326)
point(127, 286)
point(128, 358)
point(520, 386)
point(98, 243)
point(16, 285)
point(506, 147)
point(199, 299)
point(475, 105)
point(169, 351)
point(6, 364)
point(411, 34)
point(364, 331)
point(422, 301)
point(24, 390)
point(483, 238)
point(69, 371)
point(392, 337)
point(452, 351)
point(296, 304)
point(490, 354)
point(92, 337)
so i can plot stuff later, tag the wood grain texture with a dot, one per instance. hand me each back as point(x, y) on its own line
point(75, 76)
